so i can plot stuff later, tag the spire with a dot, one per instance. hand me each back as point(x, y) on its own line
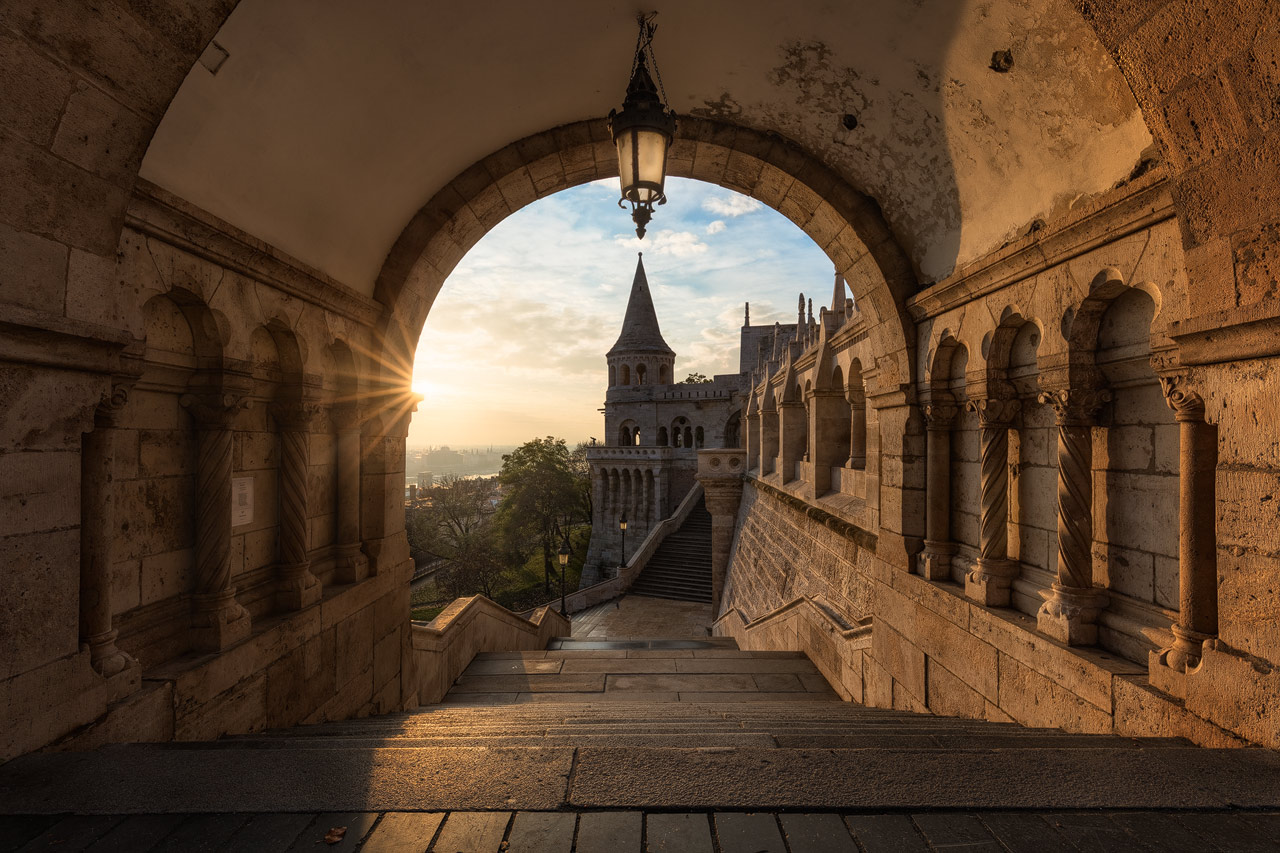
point(640, 332)
point(837, 297)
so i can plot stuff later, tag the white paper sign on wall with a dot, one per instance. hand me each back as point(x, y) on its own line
point(241, 500)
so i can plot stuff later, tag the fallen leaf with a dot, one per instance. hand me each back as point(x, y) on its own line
point(335, 834)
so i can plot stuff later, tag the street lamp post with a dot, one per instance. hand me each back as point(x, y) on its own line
point(622, 525)
point(564, 567)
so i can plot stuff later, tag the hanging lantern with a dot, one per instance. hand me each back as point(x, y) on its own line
point(643, 133)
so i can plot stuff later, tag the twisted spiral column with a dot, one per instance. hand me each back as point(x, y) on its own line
point(218, 620)
point(1071, 612)
point(935, 561)
point(989, 582)
point(98, 494)
point(296, 586)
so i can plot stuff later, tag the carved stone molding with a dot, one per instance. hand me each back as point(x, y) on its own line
point(107, 414)
point(296, 416)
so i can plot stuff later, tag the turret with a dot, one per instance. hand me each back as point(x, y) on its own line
point(640, 356)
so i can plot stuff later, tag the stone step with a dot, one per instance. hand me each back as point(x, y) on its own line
point(225, 778)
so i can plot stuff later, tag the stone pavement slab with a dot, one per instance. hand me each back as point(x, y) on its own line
point(609, 832)
point(312, 838)
point(626, 665)
point(677, 833)
point(886, 833)
point(948, 830)
point(817, 833)
point(527, 684)
point(749, 833)
point(1022, 832)
point(268, 832)
point(400, 831)
point(136, 832)
point(472, 832)
point(513, 667)
point(542, 832)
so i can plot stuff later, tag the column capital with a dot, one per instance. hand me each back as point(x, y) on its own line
point(938, 416)
point(107, 414)
point(296, 414)
point(994, 412)
point(1187, 405)
point(1075, 406)
point(346, 416)
point(213, 408)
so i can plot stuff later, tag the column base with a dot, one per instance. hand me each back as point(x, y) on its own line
point(934, 562)
point(122, 672)
point(217, 621)
point(989, 582)
point(1070, 616)
point(351, 565)
point(1168, 668)
point(297, 588)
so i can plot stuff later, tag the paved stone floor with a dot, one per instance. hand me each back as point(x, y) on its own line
point(640, 616)
point(626, 831)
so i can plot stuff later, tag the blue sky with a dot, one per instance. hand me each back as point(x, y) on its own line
point(514, 345)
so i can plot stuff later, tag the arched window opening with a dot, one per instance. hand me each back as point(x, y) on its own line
point(688, 437)
point(698, 437)
point(613, 375)
point(733, 430)
point(624, 375)
point(640, 374)
point(662, 436)
point(663, 378)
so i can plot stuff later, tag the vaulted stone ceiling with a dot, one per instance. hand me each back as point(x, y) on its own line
point(331, 123)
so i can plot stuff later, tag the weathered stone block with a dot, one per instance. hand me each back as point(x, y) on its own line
point(33, 271)
point(1033, 700)
point(902, 660)
point(949, 696)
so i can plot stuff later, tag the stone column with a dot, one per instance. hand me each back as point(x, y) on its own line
point(827, 453)
point(350, 565)
point(935, 560)
point(720, 473)
point(97, 529)
point(793, 426)
point(1197, 538)
point(768, 442)
point(218, 621)
point(989, 582)
point(751, 440)
point(1070, 615)
point(296, 586)
point(857, 429)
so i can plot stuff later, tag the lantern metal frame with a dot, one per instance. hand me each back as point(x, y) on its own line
point(644, 112)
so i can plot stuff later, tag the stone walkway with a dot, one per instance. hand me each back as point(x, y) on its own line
point(639, 616)
point(628, 831)
point(653, 671)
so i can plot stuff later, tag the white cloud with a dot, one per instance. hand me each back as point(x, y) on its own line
point(716, 226)
point(730, 205)
point(680, 244)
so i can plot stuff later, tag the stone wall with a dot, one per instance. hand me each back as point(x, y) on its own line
point(195, 622)
point(1062, 350)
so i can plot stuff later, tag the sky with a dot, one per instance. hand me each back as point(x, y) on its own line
point(514, 346)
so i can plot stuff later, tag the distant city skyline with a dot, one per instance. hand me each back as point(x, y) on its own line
point(514, 345)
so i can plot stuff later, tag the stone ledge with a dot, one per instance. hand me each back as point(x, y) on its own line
point(862, 538)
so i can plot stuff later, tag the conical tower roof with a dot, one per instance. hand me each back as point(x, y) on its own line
point(640, 332)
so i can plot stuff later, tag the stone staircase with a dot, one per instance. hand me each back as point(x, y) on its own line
point(680, 568)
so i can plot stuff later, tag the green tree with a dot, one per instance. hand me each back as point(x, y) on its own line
point(581, 471)
point(458, 528)
point(695, 379)
point(539, 491)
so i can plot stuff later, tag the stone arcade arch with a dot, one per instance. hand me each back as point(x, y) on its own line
point(66, 203)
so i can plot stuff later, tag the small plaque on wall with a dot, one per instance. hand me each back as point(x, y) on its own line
point(241, 500)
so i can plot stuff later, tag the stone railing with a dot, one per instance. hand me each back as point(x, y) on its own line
point(603, 453)
point(813, 625)
point(615, 586)
point(443, 647)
